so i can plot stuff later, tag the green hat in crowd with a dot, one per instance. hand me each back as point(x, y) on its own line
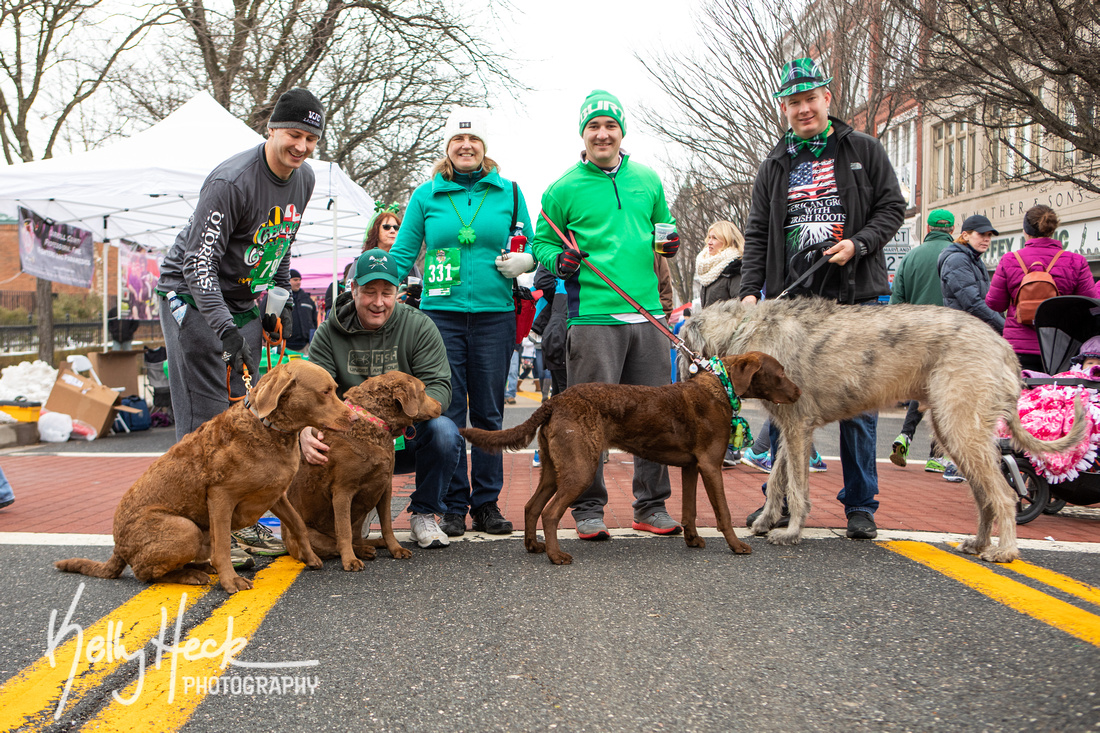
point(376, 264)
point(800, 75)
point(602, 104)
point(941, 218)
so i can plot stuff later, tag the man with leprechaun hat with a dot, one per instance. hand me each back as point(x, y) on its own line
point(828, 191)
point(611, 204)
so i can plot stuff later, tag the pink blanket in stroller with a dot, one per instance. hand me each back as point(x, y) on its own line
point(1046, 412)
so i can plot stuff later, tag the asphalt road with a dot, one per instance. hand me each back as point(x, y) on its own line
point(638, 634)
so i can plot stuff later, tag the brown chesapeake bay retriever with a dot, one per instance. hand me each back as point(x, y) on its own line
point(686, 424)
point(335, 498)
point(220, 478)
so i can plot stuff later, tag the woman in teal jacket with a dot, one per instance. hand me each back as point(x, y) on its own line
point(462, 217)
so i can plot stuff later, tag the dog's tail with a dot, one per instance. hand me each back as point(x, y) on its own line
point(1023, 440)
point(515, 438)
point(110, 569)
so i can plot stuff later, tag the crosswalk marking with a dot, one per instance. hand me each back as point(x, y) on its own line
point(1012, 593)
point(163, 704)
point(29, 700)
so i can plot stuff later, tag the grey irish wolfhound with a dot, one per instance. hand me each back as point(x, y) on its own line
point(851, 359)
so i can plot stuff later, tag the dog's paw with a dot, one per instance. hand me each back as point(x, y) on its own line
point(364, 552)
point(692, 539)
point(970, 546)
point(784, 537)
point(354, 565)
point(400, 553)
point(760, 527)
point(234, 583)
point(740, 548)
point(1001, 555)
point(560, 558)
point(534, 546)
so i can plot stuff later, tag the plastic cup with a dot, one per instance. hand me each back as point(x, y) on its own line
point(276, 299)
point(661, 235)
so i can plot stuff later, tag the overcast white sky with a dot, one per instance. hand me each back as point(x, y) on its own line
point(571, 47)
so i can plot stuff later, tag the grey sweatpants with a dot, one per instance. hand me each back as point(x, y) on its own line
point(196, 372)
point(631, 353)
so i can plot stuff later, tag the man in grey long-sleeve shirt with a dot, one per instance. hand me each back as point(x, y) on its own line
point(236, 245)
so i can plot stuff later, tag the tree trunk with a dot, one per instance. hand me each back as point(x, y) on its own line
point(43, 308)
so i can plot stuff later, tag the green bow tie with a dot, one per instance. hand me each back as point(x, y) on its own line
point(815, 144)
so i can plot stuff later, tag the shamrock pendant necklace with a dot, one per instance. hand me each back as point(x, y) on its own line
point(467, 235)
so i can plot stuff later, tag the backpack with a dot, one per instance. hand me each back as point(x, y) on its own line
point(1036, 287)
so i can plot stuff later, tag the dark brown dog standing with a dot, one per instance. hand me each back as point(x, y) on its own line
point(686, 424)
point(222, 477)
point(335, 498)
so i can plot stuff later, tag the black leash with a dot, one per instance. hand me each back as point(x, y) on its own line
point(821, 262)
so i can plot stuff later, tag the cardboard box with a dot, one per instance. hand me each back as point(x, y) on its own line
point(118, 369)
point(84, 399)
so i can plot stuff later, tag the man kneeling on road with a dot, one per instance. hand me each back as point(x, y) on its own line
point(370, 334)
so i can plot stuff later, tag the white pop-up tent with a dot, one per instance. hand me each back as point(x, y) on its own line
point(144, 188)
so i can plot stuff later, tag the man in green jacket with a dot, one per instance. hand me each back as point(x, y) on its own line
point(610, 204)
point(917, 281)
point(369, 333)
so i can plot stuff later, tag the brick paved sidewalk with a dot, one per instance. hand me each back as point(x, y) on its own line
point(79, 494)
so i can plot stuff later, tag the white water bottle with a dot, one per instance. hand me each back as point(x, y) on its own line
point(177, 306)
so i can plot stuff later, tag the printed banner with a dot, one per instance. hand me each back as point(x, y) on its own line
point(56, 252)
point(140, 272)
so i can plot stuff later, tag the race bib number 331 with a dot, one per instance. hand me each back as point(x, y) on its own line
point(442, 270)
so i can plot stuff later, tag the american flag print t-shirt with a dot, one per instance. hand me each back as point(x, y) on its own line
point(814, 212)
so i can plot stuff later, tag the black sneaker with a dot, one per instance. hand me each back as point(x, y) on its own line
point(784, 518)
point(487, 518)
point(453, 525)
point(861, 526)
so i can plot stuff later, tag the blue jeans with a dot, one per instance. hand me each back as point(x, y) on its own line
point(6, 494)
point(433, 456)
point(513, 375)
point(479, 347)
point(858, 438)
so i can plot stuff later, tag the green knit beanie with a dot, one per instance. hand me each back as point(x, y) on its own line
point(602, 104)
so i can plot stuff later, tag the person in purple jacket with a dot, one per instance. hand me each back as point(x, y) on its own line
point(1071, 276)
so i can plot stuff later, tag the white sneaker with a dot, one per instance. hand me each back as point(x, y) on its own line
point(425, 530)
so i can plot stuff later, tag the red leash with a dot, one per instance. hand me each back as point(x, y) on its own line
point(697, 361)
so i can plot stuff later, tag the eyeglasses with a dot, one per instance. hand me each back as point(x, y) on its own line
point(390, 227)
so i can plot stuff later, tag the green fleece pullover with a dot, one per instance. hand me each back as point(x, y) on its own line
point(436, 211)
point(612, 217)
point(408, 342)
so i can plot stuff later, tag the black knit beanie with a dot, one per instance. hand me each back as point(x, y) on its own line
point(300, 110)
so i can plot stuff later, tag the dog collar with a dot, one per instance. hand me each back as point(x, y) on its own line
point(740, 433)
point(369, 417)
point(266, 423)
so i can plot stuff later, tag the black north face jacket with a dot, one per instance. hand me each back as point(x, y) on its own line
point(873, 206)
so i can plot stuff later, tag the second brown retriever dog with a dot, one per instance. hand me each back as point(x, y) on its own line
point(221, 477)
point(685, 424)
point(335, 498)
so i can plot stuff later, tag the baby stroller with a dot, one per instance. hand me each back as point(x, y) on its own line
point(1063, 325)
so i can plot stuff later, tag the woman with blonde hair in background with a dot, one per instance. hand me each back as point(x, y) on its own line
point(718, 264)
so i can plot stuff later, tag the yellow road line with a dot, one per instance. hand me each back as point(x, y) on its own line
point(1073, 587)
point(29, 701)
point(1015, 595)
point(159, 699)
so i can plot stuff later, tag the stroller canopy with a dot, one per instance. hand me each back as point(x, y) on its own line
point(1063, 324)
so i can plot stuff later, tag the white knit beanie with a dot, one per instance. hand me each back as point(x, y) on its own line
point(466, 121)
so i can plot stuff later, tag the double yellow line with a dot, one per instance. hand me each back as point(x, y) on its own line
point(1012, 593)
point(47, 690)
